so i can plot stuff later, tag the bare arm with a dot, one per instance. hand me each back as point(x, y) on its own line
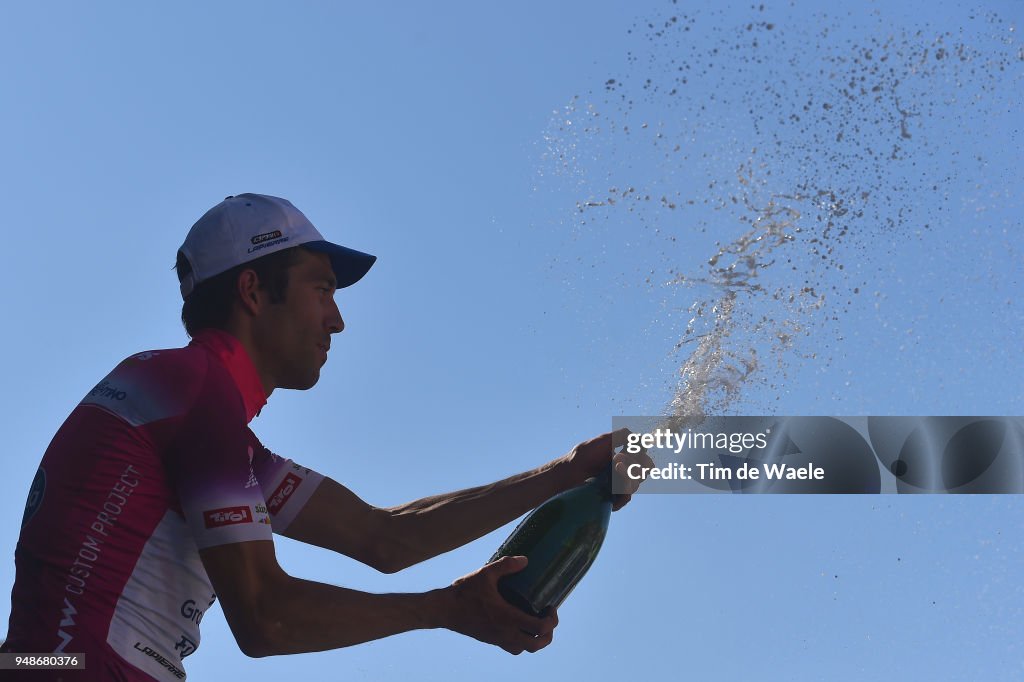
point(270, 612)
point(434, 525)
point(391, 539)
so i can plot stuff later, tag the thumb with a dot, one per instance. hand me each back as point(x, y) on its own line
point(509, 564)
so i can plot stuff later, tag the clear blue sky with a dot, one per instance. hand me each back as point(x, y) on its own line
point(501, 324)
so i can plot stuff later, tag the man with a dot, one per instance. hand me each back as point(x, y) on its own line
point(155, 498)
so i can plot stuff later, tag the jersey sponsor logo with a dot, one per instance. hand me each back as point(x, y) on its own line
point(67, 621)
point(177, 672)
point(261, 513)
point(252, 482)
point(105, 390)
point(227, 516)
point(35, 496)
point(191, 611)
point(265, 237)
point(283, 492)
point(186, 646)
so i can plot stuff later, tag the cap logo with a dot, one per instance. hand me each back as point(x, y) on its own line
point(266, 240)
point(265, 237)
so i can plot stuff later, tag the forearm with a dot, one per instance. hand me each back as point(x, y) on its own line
point(302, 615)
point(390, 539)
point(422, 529)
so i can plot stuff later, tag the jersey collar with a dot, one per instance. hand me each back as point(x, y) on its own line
point(233, 356)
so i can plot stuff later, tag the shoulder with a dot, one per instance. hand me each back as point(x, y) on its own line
point(174, 370)
point(157, 384)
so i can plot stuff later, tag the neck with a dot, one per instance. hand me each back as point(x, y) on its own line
point(245, 336)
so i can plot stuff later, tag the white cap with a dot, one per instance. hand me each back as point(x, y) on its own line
point(247, 226)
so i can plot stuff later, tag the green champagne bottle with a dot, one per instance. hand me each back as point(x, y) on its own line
point(561, 538)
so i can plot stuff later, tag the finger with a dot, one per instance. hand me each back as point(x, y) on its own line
point(619, 437)
point(535, 644)
point(506, 565)
point(646, 464)
point(533, 625)
point(549, 624)
point(646, 461)
point(620, 482)
point(620, 502)
point(627, 484)
point(629, 452)
point(627, 458)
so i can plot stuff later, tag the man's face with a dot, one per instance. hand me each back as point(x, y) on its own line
point(294, 336)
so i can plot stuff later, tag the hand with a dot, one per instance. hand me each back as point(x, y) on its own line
point(589, 458)
point(480, 611)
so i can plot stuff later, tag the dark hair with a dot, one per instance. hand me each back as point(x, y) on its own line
point(211, 302)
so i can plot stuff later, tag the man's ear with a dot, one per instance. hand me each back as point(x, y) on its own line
point(250, 296)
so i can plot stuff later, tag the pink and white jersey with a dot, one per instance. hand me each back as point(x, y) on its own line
point(156, 463)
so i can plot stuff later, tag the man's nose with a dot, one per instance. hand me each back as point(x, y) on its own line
point(335, 323)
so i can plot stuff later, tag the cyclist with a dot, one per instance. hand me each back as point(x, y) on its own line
point(155, 498)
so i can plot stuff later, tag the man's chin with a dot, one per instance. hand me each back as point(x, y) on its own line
point(303, 383)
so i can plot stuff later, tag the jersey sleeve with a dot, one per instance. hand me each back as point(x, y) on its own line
point(210, 467)
point(286, 486)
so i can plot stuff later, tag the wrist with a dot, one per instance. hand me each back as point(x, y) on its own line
point(439, 608)
point(566, 474)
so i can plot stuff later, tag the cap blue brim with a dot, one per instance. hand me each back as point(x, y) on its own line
point(349, 265)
